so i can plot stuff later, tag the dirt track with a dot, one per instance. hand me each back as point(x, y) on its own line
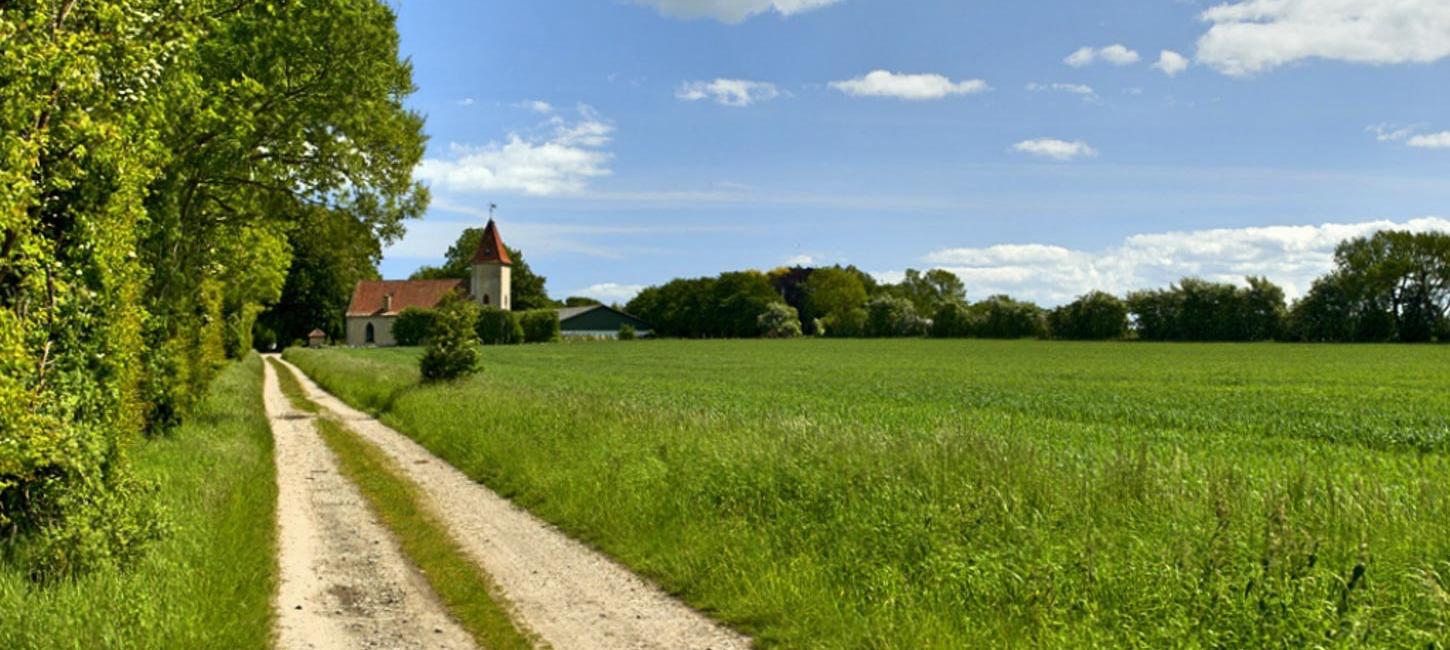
point(568, 594)
point(344, 582)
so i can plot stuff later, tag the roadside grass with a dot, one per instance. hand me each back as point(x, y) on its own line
point(209, 584)
point(945, 494)
point(467, 592)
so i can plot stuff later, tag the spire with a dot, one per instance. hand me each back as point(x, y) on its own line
point(491, 250)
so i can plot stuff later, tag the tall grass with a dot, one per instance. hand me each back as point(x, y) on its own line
point(207, 585)
point(948, 494)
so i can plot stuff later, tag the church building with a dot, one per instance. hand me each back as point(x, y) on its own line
point(376, 303)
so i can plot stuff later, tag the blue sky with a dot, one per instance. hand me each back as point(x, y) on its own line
point(1037, 148)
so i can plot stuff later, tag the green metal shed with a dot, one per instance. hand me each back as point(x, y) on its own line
point(600, 321)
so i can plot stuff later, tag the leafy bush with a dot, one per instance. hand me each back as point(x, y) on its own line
point(452, 351)
point(890, 316)
point(952, 321)
point(1001, 317)
point(498, 327)
point(627, 332)
point(414, 326)
point(541, 326)
point(847, 324)
point(1096, 316)
point(780, 321)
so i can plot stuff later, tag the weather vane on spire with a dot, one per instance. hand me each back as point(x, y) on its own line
point(491, 208)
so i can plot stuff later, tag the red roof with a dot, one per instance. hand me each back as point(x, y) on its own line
point(370, 298)
point(491, 250)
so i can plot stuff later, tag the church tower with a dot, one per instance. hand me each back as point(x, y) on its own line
point(492, 271)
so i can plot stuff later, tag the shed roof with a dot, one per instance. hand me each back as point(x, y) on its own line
point(370, 296)
point(317, 334)
point(567, 314)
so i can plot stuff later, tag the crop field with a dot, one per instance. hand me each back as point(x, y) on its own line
point(921, 493)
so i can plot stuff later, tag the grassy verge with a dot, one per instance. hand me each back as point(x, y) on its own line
point(464, 589)
point(924, 494)
point(208, 585)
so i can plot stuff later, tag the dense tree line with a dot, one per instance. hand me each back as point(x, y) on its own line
point(1393, 286)
point(168, 168)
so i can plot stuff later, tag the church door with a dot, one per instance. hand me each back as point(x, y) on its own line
point(368, 335)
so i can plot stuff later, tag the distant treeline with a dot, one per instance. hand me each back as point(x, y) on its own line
point(1393, 286)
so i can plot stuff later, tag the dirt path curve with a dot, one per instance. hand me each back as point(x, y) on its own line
point(344, 582)
point(568, 594)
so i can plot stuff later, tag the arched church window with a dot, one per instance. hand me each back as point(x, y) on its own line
point(369, 336)
point(485, 299)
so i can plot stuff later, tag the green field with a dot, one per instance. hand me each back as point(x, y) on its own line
point(918, 493)
point(209, 583)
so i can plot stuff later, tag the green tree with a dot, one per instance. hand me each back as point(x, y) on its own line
point(1001, 317)
point(1096, 316)
point(280, 111)
point(452, 351)
point(498, 327)
point(414, 326)
point(580, 301)
point(891, 316)
point(331, 252)
point(930, 290)
point(833, 292)
point(780, 321)
point(80, 109)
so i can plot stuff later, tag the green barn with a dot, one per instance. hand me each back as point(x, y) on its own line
point(598, 321)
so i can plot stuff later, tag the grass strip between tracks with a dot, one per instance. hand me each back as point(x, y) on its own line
point(468, 593)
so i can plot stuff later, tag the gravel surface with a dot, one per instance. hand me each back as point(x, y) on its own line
point(344, 582)
point(571, 596)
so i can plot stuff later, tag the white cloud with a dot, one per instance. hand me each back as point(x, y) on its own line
point(1171, 63)
point(1292, 256)
point(801, 260)
point(466, 101)
point(915, 87)
point(561, 161)
point(733, 11)
point(728, 92)
point(1439, 140)
point(1252, 36)
point(610, 292)
point(1084, 91)
point(538, 106)
point(1114, 54)
point(1056, 149)
point(1410, 135)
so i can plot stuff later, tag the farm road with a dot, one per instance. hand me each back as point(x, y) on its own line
point(568, 594)
point(344, 581)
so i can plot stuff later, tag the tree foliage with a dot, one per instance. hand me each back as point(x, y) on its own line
point(780, 321)
point(1097, 316)
point(414, 326)
point(1001, 317)
point(727, 306)
point(498, 327)
point(155, 158)
point(452, 351)
point(1393, 285)
point(540, 326)
point(1198, 310)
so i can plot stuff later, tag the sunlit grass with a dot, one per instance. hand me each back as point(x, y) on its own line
point(971, 493)
point(209, 584)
